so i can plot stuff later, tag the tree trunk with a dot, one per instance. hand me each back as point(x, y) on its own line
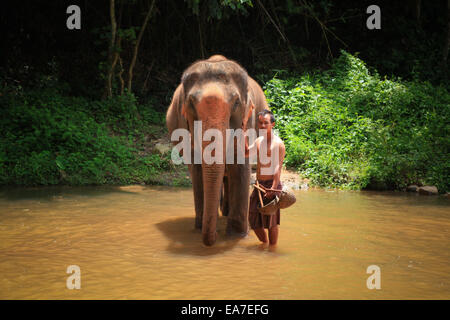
point(418, 7)
point(122, 82)
point(111, 54)
point(202, 51)
point(136, 46)
point(447, 40)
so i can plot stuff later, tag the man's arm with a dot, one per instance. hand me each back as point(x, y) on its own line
point(277, 174)
point(250, 151)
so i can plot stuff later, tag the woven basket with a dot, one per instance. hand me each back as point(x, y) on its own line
point(287, 198)
point(271, 208)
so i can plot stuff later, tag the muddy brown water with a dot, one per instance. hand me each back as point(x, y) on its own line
point(138, 242)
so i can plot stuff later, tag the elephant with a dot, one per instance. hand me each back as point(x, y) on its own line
point(219, 92)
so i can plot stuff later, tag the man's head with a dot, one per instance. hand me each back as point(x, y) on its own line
point(266, 120)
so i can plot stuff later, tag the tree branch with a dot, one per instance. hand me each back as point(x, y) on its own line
point(136, 46)
point(111, 64)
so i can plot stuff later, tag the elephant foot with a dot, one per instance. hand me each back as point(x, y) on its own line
point(236, 229)
point(198, 223)
point(209, 238)
point(237, 234)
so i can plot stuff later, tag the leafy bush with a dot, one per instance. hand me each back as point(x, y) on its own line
point(48, 138)
point(346, 127)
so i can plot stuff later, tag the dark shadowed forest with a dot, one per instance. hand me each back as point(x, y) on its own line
point(357, 107)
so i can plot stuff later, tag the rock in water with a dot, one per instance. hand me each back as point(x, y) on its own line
point(428, 190)
point(412, 188)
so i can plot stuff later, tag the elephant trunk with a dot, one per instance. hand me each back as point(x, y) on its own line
point(214, 112)
point(213, 173)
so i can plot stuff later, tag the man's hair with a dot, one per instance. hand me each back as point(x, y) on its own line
point(264, 112)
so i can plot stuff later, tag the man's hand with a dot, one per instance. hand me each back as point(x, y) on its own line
point(270, 193)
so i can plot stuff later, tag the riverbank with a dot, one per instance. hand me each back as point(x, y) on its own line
point(179, 176)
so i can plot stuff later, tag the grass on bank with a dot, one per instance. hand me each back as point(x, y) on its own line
point(49, 139)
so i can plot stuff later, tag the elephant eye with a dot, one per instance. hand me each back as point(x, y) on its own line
point(192, 101)
point(236, 104)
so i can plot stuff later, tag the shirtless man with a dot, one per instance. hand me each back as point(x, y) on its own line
point(270, 152)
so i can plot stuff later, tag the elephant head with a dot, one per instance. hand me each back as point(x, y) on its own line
point(216, 92)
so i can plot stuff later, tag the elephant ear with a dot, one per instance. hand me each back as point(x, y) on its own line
point(240, 79)
point(179, 101)
point(184, 110)
point(188, 80)
point(175, 118)
point(250, 107)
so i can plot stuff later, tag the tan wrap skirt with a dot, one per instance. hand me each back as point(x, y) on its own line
point(255, 218)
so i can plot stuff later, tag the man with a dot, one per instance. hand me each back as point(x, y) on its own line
point(270, 152)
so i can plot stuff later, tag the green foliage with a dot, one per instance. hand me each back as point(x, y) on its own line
point(345, 127)
point(218, 9)
point(123, 115)
point(351, 129)
point(48, 138)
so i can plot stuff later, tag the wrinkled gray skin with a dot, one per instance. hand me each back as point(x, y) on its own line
point(219, 92)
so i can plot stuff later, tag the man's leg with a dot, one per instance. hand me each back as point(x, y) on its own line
point(261, 234)
point(273, 235)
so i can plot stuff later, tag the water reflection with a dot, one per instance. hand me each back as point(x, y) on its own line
point(184, 239)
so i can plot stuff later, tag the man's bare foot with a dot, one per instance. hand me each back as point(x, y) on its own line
point(263, 245)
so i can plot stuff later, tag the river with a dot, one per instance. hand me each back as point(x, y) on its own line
point(139, 242)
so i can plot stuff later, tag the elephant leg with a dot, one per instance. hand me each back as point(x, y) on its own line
point(221, 199)
point(197, 186)
point(224, 200)
point(238, 197)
